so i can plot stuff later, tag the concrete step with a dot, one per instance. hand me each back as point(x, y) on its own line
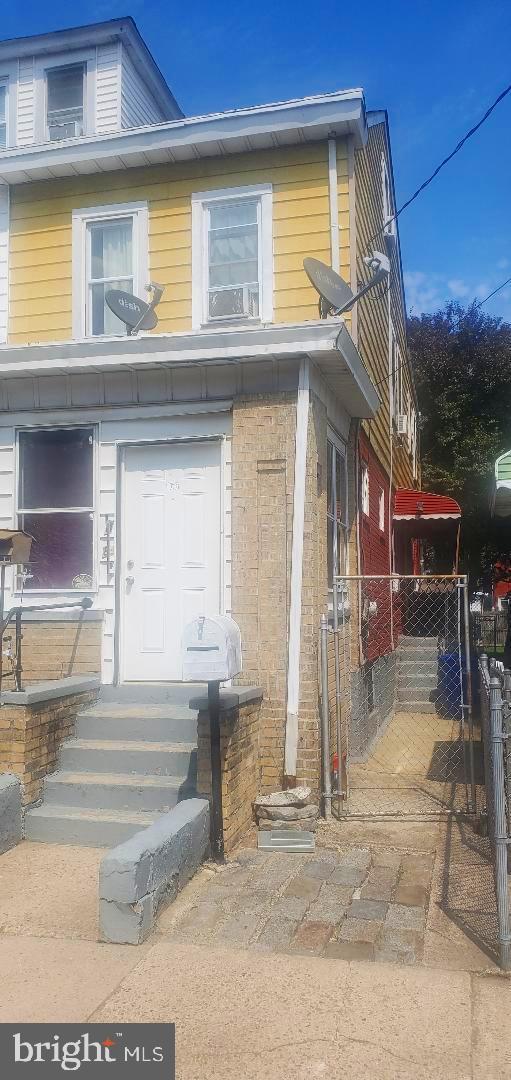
point(152, 693)
point(411, 708)
point(410, 639)
point(414, 693)
point(90, 828)
point(419, 667)
point(139, 721)
point(128, 756)
point(417, 652)
point(115, 791)
point(417, 678)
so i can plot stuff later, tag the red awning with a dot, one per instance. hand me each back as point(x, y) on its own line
point(412, 505)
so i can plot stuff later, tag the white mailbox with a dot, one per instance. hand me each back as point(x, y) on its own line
point(211, 649)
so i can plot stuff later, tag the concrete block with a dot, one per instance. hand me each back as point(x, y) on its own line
point(10, 811)
point(146, 872)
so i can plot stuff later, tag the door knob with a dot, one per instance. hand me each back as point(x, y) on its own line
point(130, 581)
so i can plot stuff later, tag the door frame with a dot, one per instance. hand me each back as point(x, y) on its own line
point(122, 447)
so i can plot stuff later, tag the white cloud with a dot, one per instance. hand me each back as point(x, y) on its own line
point(503, 264)
point(421, 292)
point(458, 288)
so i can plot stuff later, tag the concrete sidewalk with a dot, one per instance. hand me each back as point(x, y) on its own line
point(244, 1012)
point(260, 1016)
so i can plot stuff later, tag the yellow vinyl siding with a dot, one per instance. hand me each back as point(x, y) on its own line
point(373, 309)
point(41, 250)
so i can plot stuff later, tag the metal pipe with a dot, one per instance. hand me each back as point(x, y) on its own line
point(499, 817)
point(217, 817)
point(19, 666)
point(468, 683)
point(325, 721)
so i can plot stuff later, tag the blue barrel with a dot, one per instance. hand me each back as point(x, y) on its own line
point(450, 685)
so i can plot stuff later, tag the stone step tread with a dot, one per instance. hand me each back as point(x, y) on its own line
point(420, 639)
point(129, 744)
point(65, 776)
point(77, 813)
point(138, 711)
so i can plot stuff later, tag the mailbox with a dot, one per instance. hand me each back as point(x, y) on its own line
point(211, 649)
point(15, 546)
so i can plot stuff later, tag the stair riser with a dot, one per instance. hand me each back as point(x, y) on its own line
point(406, 682)
point(414, 642)
point(404, 655)
point(113, 796)
point(147, 729)
point(84, 833)
point(414, 694)
point(415, 707)
point(417, 667)
point(153, 693)
point(147, 762)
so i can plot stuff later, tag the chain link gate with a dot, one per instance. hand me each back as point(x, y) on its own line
point(396, 697)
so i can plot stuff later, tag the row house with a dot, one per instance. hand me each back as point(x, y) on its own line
point(243, 452)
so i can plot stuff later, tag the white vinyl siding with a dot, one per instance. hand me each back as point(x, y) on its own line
point(4, 261)
point(108, 88)
point(138, 106)
point(26, 102)
point(4, 105)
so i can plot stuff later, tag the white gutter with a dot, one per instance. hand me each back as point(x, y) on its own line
point(295, 606)
point(333, 198)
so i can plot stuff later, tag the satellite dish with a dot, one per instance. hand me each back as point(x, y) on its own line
point(134, 313)
point(335, 293)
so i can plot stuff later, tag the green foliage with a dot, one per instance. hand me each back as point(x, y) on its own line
point(462, 364)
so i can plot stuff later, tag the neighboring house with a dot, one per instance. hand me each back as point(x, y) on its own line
point(238, 456)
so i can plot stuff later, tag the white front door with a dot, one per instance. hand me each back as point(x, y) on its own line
point(170, 552)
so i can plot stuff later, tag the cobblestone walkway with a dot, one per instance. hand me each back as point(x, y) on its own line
point(359, 904)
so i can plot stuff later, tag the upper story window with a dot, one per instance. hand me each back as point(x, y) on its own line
point(65, 101)
point(109, 252)
point(232, 261)
point(3, 115)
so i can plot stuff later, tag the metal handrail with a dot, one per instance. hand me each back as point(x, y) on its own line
point(17, 613)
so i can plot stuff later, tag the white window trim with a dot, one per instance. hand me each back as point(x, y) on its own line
point(81, 219)
point(365, 506)
point(8, 77)
point(87, 57)
point(381, 509)
point(200, 201)
point(59, 426)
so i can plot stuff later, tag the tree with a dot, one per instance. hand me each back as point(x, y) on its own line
point(462, 364)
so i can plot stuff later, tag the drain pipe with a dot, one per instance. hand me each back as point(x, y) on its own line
point(295, 604)
point(325, 722)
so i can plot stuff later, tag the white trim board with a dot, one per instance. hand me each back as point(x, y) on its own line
point(81, 218)
point(201, 201)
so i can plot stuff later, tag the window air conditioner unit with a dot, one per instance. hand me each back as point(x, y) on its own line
point(402, 424)
point(71, 129)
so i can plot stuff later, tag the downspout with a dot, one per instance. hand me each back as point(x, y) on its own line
point(295, 603)
point(390, 385)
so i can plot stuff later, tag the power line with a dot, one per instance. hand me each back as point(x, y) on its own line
point(445, 161)
point(499, 287)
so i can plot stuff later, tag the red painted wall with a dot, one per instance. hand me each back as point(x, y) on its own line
point(375, 559)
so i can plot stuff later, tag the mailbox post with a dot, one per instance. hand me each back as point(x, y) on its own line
point(212, 654)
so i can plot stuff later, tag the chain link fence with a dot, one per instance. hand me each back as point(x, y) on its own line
point(397, 716)
point(495, 696)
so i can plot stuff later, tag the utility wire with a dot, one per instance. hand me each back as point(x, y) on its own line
point(445, 161)
point(499, 287)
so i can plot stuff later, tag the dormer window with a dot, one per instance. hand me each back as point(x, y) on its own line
point(65, 98)
point(3, 115)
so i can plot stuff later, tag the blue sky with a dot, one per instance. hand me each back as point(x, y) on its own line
point(435, 66)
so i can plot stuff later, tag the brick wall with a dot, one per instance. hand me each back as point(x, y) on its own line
point(241, 769)
point(31, 735)
point(262, 520)
point(56, 649)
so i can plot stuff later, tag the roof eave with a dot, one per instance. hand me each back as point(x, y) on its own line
point(306, 119)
